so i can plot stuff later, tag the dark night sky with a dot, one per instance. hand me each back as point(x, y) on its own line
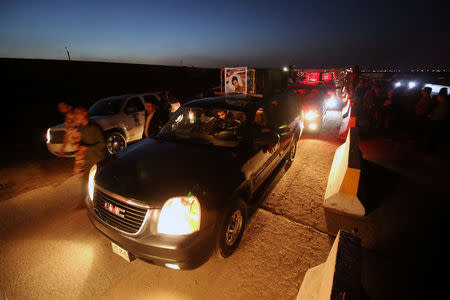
point(214, 34)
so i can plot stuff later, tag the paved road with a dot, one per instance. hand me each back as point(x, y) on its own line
point(48, 250)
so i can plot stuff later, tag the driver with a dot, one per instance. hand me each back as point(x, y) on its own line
point(219, 123)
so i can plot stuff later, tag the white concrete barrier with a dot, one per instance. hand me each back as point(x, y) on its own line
point(343, 180)
point(339, 277)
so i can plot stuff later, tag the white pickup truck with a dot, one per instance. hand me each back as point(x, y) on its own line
point(122, 119)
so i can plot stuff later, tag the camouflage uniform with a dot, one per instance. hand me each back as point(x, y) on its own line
point(73, 137)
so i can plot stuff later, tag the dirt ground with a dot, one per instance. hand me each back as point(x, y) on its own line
point(26, 175)
point(50, 250)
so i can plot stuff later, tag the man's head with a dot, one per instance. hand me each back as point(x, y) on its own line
point(64, 108)
point(151, 104)
point(426, 91)
point(377, 89)
point(221, 114)
point(81, 115)
point(235, 81)
point(442, 96)
point(390, 94)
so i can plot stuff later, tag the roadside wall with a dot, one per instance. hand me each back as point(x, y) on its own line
point(339, 277)
point(343, 180)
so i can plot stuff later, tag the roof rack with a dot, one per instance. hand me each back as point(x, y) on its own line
point(251, 95)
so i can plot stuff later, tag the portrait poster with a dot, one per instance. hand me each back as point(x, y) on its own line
point(236, 80)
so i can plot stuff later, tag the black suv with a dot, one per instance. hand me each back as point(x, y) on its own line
point(173, 199)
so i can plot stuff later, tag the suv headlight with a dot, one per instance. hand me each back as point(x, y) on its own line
point(311, 115)
point(48, 136)
point(180, 215)
point(331, 102)
point(91, 182)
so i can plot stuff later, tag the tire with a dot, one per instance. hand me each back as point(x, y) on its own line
point(291, 154)
point(228, 241)
point(115, 142)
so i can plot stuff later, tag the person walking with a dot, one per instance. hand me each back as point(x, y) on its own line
point(72, 136)
point(387, 112)
point(92, 147)
point(439, 118)
point(424, 106)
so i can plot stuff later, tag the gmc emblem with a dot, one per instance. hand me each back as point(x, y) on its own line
point(115, 209)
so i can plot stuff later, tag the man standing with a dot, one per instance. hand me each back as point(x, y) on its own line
point(92, 146)
point(153, 118)
point(439, 119)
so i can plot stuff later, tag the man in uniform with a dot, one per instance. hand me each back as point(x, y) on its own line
point(92, 146)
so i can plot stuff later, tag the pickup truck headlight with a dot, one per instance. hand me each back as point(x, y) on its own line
point(91, 182)
point(331, 102)
point(180, 215)
point(311, 115)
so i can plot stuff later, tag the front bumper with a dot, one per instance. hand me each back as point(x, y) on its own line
point(188, 252)
point(69, 150)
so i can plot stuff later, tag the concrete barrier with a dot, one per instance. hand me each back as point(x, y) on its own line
point(339, 277)
point(346, 109)
point(343, 181)
point(348, 122)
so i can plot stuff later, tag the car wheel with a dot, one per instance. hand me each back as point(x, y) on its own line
point(115, 142)
point(291, 154)
point(231, 229)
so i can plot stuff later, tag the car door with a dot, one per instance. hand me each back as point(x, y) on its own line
point(134, 118)
point(265, 158)
point(289, 120)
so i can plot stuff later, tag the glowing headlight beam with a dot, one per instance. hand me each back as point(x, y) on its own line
point(311, 115)
point(331, 102)
point(398, 84)
point(412, 84)
point(48, 136)
point(179, 216)
point(313, 126)
point(91, 182)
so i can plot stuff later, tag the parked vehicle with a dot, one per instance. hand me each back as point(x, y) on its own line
point(174, 199)
point(313, 98)
point(122, 119)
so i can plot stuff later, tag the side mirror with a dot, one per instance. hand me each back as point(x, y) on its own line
point(267, 139)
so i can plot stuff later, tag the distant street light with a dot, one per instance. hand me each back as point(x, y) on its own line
point(285, 69)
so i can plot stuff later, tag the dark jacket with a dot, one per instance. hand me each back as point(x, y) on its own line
point(156, 123)
point(92, 138)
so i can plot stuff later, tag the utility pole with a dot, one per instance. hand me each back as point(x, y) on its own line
point(68, 54)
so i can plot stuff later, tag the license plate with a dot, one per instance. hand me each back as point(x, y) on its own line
point(121, 252)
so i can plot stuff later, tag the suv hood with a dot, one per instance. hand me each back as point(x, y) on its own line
point(152, 171)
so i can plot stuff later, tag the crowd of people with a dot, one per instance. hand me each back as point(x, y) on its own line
point(383, 108)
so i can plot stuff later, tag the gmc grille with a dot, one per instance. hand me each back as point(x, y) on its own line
point(133, 216)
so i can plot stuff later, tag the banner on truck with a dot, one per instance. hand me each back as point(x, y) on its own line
point(236, 80)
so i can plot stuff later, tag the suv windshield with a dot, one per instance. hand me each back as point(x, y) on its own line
point(218, 127)
point(310, 92)
point(105, 107)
